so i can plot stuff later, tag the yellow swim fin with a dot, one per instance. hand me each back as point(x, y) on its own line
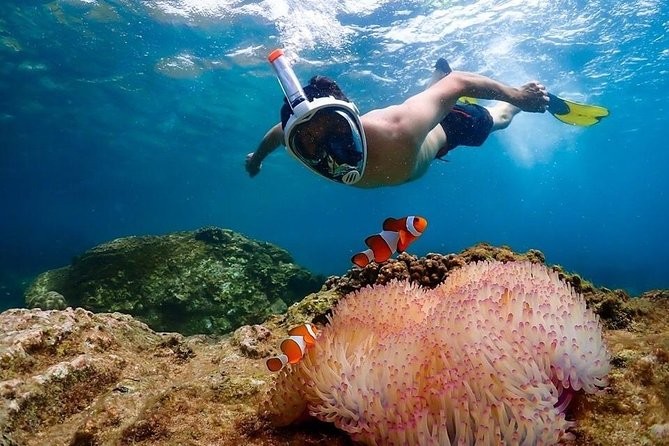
point(575, 113)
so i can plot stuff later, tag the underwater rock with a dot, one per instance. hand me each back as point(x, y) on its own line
point(635, 407)
point(208, 281)
point(99, 379)
point(54, 363)
point(250, 339)
point(80, 378)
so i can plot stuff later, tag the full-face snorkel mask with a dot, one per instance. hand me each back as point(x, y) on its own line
point(325, 134)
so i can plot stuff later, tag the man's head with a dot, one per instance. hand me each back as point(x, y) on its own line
point(328, 133)
point(318, 87)
point(324, 131)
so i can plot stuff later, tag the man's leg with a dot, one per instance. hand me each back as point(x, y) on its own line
point(502, 114)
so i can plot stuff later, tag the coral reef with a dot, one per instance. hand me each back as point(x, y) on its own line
point(81, 378)
point(428, 271)
point(493, 354)
point(208, 281)
point(613, 306)
point(51, 300)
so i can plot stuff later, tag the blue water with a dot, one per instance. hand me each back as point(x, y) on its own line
point(126, 118)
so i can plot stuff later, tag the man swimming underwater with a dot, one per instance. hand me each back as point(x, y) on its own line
point(393, 145)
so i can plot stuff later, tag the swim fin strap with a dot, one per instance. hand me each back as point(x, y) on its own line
point(468, 100)
point(575, 113)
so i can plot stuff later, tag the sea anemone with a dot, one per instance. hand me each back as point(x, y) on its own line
point(491, 356)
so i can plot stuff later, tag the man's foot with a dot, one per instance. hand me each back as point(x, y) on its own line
point(442, 65)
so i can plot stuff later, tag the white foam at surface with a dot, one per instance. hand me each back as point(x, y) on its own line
point(301, 24)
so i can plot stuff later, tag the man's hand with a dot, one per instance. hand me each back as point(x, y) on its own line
point(252, 166)
point(532, 97)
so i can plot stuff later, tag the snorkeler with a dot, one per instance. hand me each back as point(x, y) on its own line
point(323, 129)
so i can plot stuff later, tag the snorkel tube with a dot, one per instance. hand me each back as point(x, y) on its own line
point(287, 79)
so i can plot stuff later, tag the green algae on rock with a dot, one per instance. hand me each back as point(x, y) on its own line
point(208, 281)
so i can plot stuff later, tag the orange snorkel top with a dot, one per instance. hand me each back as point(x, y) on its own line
point(275, 55)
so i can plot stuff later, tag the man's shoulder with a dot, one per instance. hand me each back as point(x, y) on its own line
point(383, 117)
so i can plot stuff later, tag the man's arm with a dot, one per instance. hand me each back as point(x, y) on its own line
point(272, 139)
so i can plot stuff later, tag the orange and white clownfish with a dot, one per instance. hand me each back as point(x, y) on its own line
point(299, 339)
point(397, 235)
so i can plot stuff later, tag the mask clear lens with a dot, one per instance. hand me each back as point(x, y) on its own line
point(329, 141)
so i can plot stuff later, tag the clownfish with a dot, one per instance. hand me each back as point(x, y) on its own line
point(396, 236)
point(299, 339)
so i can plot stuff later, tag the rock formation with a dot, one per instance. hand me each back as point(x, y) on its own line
point(208, 281)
